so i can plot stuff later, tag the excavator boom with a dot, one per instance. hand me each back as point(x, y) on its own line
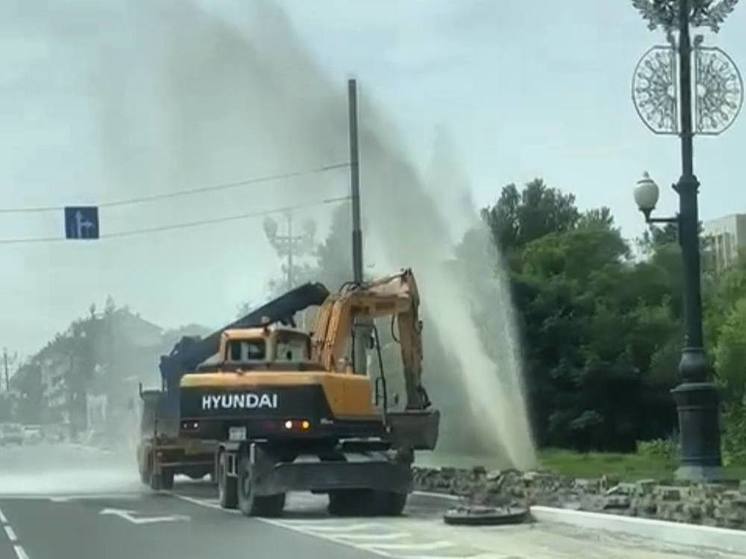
point(395, 296)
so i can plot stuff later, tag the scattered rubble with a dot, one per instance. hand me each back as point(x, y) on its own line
point(710, 504)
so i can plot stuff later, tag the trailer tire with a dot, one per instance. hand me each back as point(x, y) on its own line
point(256, 505)
point(155, 482)
point(349, 502)
point(167, 479)
point(388, 503)
point(365, 502)
point(146, 469)
point(227, 485)
point(162, 481)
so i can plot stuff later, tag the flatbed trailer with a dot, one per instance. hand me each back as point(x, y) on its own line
point(162, 453)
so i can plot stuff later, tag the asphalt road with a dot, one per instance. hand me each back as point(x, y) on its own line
point(66, 502)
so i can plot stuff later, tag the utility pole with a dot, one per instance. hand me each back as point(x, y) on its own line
point(361, 328)
point(357, 234)
point(7, 374)
point(291, 250)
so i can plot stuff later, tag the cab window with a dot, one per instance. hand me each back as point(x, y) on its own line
point(241, 351)
point(291, 349)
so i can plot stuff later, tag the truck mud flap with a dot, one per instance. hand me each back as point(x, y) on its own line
point(414, 429)
point(377, 474)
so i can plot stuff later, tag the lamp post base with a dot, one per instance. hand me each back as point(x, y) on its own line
point(699, 473)
point(697, 404)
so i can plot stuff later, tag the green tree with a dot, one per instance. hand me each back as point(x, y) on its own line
point(521, 217)
point(597, 327)
point(730, 354)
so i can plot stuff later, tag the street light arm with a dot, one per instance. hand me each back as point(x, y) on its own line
point(649, 219)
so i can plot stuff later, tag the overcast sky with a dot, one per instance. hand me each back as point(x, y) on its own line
point(522, 88)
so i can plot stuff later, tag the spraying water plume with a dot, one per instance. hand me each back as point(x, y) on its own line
point(184, 95)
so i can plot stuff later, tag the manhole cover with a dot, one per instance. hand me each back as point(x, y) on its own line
point(484, 516)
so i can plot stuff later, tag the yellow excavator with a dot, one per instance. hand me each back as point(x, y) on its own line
point(290, 413)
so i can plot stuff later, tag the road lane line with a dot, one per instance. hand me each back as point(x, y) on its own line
point(373, 537)
point(10, 533)
point(332, 533)
point(279, 524)
point(426, 546)
point(323, 536)
point(318, 527)
point(3, 519)
point(203, 503)
point(20, 552)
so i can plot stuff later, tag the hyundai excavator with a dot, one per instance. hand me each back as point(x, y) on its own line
point(161, 451)
point(291, 413)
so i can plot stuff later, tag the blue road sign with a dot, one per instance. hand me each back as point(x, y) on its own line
point(81, 222)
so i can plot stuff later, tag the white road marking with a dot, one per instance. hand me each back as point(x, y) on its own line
point(2, 518)
point(140, 520)
point(382, 537)
point(20, 552)
point(478, 556)
point(319, 527)
point(67, 498)
point(322, 536)
point(346, 534)
point(63, 498)
point(425, 546)
point(11, 534)
point(204, 503)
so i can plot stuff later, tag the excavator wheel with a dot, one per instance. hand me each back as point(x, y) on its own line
point(227, 486)
point(255, 505)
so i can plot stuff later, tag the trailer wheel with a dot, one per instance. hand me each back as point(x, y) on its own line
point(146, 468)
point(365, 502)
point(255, 505)
point(388, 503)
point(167, 479)
point(155, 482)
point(349, 502)
point(227, 486)
point(164, 480)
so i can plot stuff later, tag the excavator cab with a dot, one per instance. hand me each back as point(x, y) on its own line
point(254, 347)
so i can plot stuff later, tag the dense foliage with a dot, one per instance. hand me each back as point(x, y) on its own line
point(601, 329)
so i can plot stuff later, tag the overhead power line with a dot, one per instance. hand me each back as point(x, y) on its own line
point(186, 225)
point(187, 192)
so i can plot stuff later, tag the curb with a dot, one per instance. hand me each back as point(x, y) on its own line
point(675, 533)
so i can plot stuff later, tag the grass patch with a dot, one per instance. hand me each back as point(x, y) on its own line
point(595, 464)
point(625, 467)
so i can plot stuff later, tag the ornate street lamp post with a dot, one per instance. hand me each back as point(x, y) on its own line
point(669, 101)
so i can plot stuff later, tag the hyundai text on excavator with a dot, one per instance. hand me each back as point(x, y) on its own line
point(291, 414)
